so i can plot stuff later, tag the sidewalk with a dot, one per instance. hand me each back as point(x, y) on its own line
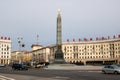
point(75, 67)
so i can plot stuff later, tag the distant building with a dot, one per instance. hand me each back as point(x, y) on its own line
point(103, 50)
point(15, 56)
point(5, 50)
point(92, 51)
point(41, 55)
point(36, 46)
point(27, 56)
point(21, 56)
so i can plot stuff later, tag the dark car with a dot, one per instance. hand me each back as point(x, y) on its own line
point(17, 66)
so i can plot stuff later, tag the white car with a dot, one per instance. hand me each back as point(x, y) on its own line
point(2, 65)
point(117, 65)
point(111, 69)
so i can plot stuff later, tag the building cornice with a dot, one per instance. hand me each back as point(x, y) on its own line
point(94, 42)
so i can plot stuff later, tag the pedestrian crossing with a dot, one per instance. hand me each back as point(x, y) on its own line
point(5, 78)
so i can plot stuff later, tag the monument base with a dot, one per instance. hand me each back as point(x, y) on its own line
point(59, 58)
point(61, 66)
point(59, 61)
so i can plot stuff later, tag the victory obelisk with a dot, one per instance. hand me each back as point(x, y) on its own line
point(59, 57)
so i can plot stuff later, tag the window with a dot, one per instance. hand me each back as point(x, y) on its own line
point(4, 49)
point(96, 53)
point(96, 46)
point(67, 50)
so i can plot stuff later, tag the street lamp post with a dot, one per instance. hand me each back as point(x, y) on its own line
point(21, 45)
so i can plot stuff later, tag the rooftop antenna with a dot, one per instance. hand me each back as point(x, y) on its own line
point(37, 39)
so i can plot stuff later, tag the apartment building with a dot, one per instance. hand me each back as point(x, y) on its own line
point(5, 50)
point(41, 55)
point(92, 51)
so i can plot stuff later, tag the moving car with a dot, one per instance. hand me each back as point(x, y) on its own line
point(111, 69)
point(18, 66)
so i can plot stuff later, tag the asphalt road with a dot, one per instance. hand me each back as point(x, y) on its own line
point(42, 74)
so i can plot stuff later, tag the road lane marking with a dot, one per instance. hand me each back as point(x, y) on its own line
point(60, 77)
point(90, 71)
point(5, 78)
point(2, 79)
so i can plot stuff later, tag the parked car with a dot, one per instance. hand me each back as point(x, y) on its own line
point(111, 69)
point(2, 65)
point(39, 65)
point(18, 66)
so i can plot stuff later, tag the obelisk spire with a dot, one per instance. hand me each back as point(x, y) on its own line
point(59, 10)
point(59, 57)
point(59, 27)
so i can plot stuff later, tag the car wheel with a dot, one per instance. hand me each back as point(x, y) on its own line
point(20, 68)
point(115, 72)
point(13, 68)
point(104, 72)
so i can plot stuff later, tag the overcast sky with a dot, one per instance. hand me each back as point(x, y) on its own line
point(80, 19)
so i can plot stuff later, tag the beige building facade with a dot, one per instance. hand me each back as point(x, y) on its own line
point(21, 56)
point(92, 51)
point(41, 55)
point(86, 51)
point(15, 56)
point(5, 50)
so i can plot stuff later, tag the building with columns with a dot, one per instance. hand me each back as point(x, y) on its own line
point(102, 50)
point(5, 50)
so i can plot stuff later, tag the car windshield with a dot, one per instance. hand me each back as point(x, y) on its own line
point(116, 67)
